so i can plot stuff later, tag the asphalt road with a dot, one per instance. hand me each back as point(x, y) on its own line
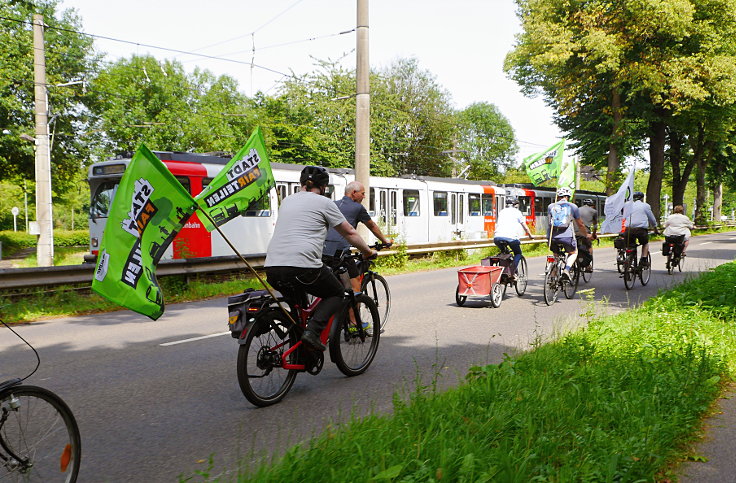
point(156, 400)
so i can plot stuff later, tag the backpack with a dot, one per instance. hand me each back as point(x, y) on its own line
point(561, 215)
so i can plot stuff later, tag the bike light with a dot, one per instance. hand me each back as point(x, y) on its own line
point(550, 259)
point(94, 242)
point(253, 309)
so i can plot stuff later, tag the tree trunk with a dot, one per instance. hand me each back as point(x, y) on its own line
point(614, 162)
point(657, 138)
point(717, 202)
point(700, 163)
point(680, 172)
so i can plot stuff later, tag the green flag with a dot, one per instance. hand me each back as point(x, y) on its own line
point(545, 165)
point(567, 174)
point(245, 179)
point(148, 210)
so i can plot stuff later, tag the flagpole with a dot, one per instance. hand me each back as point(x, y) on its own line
point(250, 267)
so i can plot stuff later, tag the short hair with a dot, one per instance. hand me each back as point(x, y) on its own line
point(353, 186)
point(678, 209)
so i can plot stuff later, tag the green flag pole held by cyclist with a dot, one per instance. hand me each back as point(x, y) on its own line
point(562, 215)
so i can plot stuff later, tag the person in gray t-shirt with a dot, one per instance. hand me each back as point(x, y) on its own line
point(294, 255)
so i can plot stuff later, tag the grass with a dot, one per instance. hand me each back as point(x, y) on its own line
point(620, 400)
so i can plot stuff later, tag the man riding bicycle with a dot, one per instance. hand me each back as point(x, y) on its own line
point(589, 217)
point(510, 221)
point(638, 217)
point(294, 255)
point(354, 212)
point(562, 215)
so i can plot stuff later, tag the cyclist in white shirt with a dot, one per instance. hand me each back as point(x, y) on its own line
point(679, 224)
point(509, 225)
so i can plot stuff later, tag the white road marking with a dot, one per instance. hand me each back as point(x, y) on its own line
point(705, 243)
point(193, 339)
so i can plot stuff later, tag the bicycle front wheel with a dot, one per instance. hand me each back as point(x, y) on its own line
point(522, 278)
point(262, 379)
point(646, 272)
point(38, 435)
point(354, 340)
point(376, 288)
point(551, 287)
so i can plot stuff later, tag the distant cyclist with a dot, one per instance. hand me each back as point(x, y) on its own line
point(589, 217)
point(679, 224)
point(638, 218)
point(562, 215)
point(294, 255)
point(509, 225)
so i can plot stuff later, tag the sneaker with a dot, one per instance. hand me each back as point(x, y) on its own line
point(566, 274)
point(643, 263)
point(312, 340)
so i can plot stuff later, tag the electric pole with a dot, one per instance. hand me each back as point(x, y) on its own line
point(362, 102)
point(45, 247)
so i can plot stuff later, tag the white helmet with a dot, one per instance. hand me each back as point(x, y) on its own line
point(564, 191)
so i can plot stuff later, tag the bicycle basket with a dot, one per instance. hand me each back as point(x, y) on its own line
point(619, 243)
point(243, 307)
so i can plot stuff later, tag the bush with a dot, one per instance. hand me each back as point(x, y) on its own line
point(13, 241)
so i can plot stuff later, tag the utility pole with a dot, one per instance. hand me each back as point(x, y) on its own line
point(362, 102)
point(45, 247)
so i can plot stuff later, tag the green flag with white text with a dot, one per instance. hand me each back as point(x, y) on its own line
point(545, 165)
point(148, 210)
point(567, 174)
point(245, 179)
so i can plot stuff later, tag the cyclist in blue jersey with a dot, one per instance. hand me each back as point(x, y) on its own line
point(562, 215)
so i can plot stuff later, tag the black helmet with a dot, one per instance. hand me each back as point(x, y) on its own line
point(511, 201)
point(588, 202)
point(316, 174)
point(638, 195)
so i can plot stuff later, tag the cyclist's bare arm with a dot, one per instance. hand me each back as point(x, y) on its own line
point(348, 232)
point(376, 230)
point(582, 227)
point(526, 229)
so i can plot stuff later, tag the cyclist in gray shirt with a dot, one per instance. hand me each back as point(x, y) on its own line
point(294, 255)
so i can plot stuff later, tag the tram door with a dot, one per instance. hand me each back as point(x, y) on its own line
point(457, 214)
point(384, 204)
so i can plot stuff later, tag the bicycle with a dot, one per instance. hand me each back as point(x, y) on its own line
point(505, 258)
point(553, 279)
point(39, 437)
point(586, 273)
point(631, 268)
point(376, 287)
point(271, 352)
point(672, 249)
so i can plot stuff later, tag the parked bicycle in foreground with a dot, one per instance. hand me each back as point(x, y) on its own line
point(271, 352)
point(39, 437)
point(554, 278)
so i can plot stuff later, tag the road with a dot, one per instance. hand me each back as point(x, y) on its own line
point(155, 400)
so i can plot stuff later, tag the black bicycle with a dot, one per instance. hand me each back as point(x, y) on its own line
point(632, 269)
point(584, 260)
point(519, 278)
point(672, 249)
point(39, 437)
point(554, 280)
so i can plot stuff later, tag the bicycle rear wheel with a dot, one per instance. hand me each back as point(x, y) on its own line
point(353, 345)
point(376, 287)
point(680, 261)
point(620, 260)
point(587, 272)
point(522, 278)
point(646, 272)
point(38, 435)
point(551, 287)
point(261, 378)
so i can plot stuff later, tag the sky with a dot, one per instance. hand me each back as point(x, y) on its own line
point(463, 43)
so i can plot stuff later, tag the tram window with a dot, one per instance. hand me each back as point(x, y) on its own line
point(383, 206)
point(453, 204)
point(393, 208)
point(461, 209)
point(440, 203)
point(540, 205)
point(524, 205)
point(100, 205)
point(260, 207)
point(487, 201)
point(185, 183)
point(330, 191)
point(206, 182)
point(474, 204)
point(411, 203)
point(372, 203)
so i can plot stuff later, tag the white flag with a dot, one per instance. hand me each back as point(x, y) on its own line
point(614, 208)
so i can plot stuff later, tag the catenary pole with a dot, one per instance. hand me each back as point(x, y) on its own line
point(362, 102)
point(45, 247)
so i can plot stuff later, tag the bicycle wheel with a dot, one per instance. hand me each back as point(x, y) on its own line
point(629, 273)
point(670, 263)
point(497, 292)
point(570, 286)
point(261, 378)
point(376, 288)
point(680, 261)
point(620, 260)
point(522, 278)
point(352, 349)
point(587, 272)
point(646, 272)
point(40, 436)
point(459, 299)
point(551, 287)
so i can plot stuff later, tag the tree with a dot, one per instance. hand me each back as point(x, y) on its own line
point(488, 138)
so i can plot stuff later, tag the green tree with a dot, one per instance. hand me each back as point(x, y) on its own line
point(488, 139)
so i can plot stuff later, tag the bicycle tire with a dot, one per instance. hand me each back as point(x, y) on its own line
point(460, 299)
point(353, 349)
point(261, 379)
point(645, 274)
point(38, 427)
point(620, 260)
point(497, 291)
point(570, 286)
point(629, 273)
point(522, 277)
point(670, 264)
point(679, 263)
point(377, 288)
point(551, 288)
point(587, 275)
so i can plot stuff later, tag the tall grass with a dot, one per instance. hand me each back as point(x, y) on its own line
point(620, 400)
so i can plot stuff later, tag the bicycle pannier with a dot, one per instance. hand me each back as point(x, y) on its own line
point(238, 309)
point(619, 243)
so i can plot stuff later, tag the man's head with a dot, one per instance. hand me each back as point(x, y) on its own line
point(588, 202)
point(315, 177)
point(511, 201)
point(564, 192)
point(355, 191)
point(638, 196)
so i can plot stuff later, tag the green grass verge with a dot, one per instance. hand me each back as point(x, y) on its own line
point(620, 400)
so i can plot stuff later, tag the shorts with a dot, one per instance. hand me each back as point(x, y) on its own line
point(350, 263)
point(569, 243)
point(636, 235)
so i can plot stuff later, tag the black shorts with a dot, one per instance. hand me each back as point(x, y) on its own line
point(636, 235)
point(350, 263)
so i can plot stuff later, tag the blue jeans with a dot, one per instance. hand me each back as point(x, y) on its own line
point(514, 245)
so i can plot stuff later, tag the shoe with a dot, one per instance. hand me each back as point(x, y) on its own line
point(312, 340)
point(643, 263)
point(566, 274)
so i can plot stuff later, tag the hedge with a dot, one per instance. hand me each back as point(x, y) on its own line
point(12, 241)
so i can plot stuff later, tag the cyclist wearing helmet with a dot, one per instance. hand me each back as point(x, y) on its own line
point(562, 215)
point(509, 224)
point(294, 254)
point(589, 217)
point(638, 217)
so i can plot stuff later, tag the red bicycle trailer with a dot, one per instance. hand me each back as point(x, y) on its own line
point(480, 281)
